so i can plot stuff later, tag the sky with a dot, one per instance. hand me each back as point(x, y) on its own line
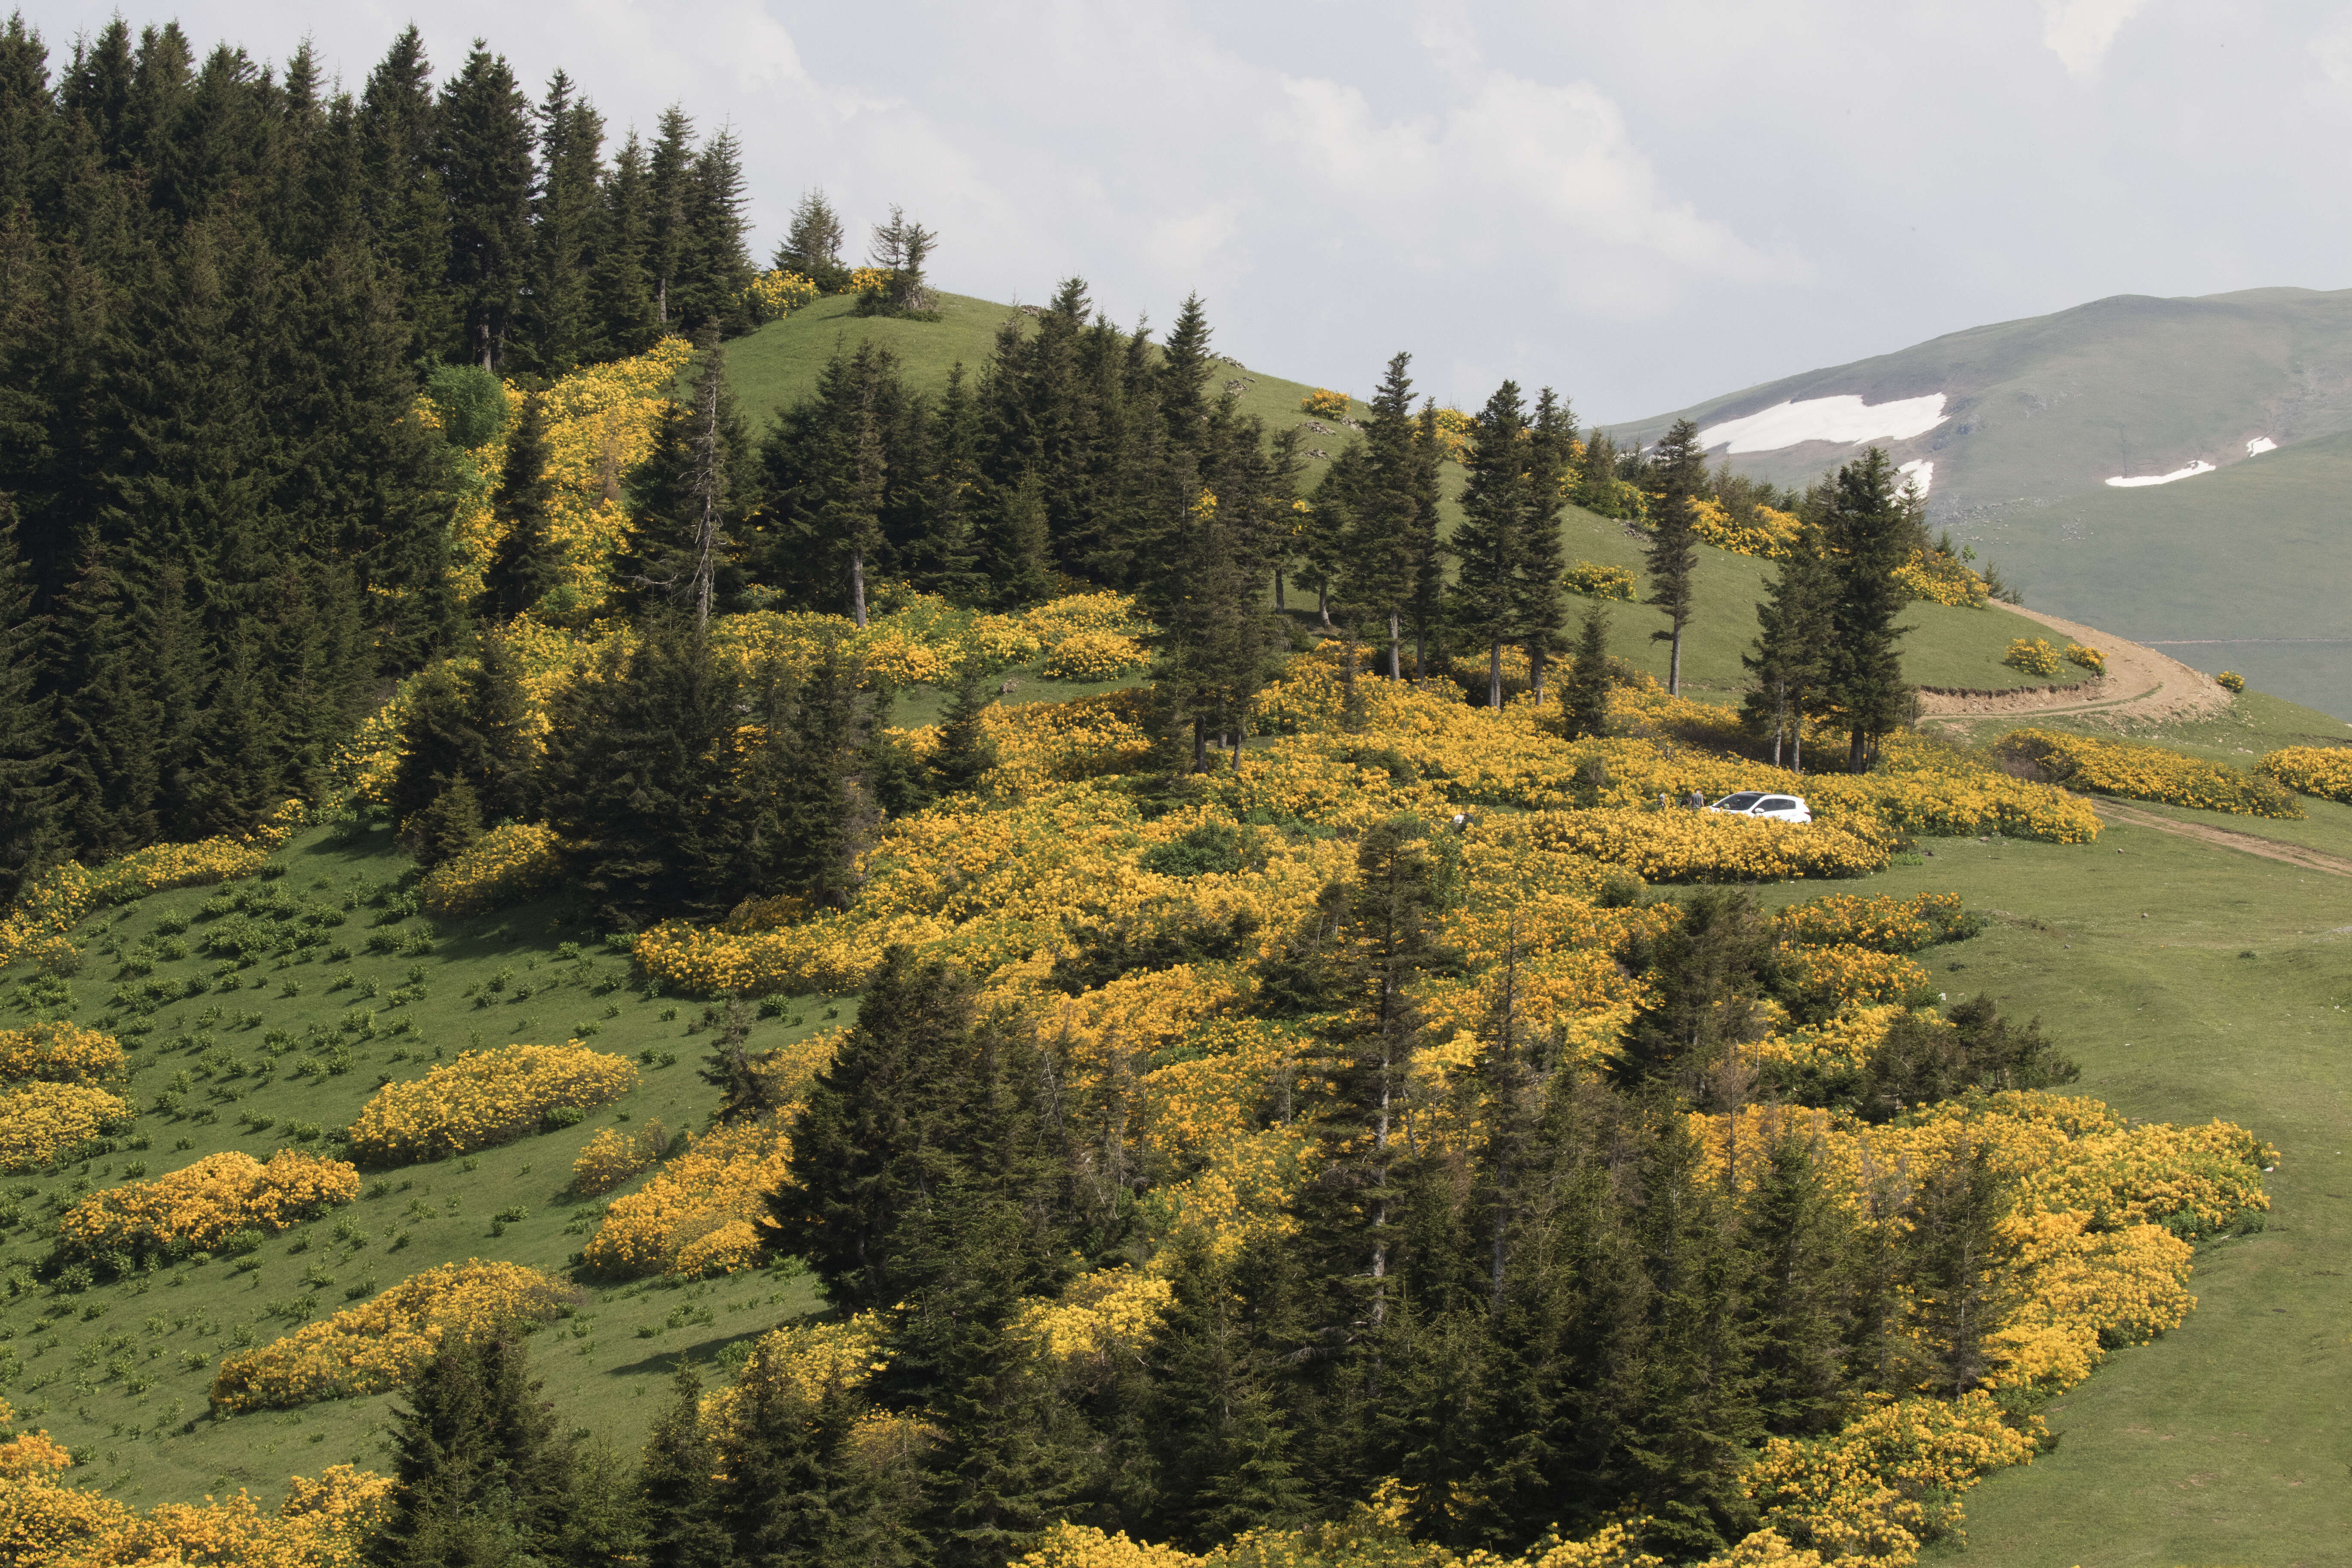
point(1642, 205)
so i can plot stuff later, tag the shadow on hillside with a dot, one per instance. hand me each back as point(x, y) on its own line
point(702, 1352)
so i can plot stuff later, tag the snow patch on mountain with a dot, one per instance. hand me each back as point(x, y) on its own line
point(1844, 419)
point(1921, 470)
point(2199, 467)
point(2259, 445)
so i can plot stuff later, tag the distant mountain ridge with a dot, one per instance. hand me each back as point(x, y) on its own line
point(2230, 546)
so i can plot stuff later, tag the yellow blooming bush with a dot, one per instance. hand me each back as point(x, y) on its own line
point(1941, 579)
point(1591, 580)
point(1325, 405)
point(63, 896)
point(485, 1098)
point(704, 1213)
point(1095, 656)
point(2032, 655)
point(1711, 847)
point(506, 865)
point(2322, 771)
point(200, 1205)
point(1109, 1314)
point(43, 1123)
point(1885, 924)
point(1456, 431)
point(323, 1523)
point(2086, 1289)
point(1857, 976)
point(60, 1052)
point(2230, 681)
point(2089, 658)
point(613, 1157)
point(379, 1344)
point(602, 421)
point(2138, 772)
point(779, 293)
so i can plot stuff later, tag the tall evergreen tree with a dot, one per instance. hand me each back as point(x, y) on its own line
point(528, 562)
point(1586, 701)
point(29, 833)
point(678, 1483)
point(486, 169)
point(480, 1473)
point(812, 243)
point(1867, 537)
point(1537, 612)
point(1497, 514)
point(1789, 657)
point(558, 325)
point(1381, 561)
point(1672, 554)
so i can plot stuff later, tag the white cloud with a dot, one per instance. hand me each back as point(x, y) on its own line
point(2079, 31)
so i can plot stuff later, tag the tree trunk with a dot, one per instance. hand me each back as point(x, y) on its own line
point(1494, 673)
point(857, 585)
point(1200, 744)
point(1421, 654)
point(661, 301)
point(1780, 721)
point(1675, 665)
point(1396, 644)
point(1536, 671)
point(1857, 751)
point(1323, 604)
point(1280, 608)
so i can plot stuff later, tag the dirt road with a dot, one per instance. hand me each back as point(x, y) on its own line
point(2206, 833)
point(2140, 683)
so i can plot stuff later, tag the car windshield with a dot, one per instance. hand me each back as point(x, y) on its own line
point(1739, 802)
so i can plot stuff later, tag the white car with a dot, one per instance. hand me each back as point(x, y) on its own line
point(1752, 802)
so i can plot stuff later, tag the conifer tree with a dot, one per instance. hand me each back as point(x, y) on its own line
point(559, 328)
point(402, 196)
point(812, 243)
point(1019, 553)
point(678, 1485)
point(1672, 554)
point(965, 753)
point(1957, 1266)
point(1867, 537)
point(29, 837)
point(479, 1473)
point(486, 172)
point(1586, 701)
point(693, 493)
point(670, 172)
point(1380, 559)
point(1789, 657)
point(1706, 972)
point(1799, 1312)
point(620, 287)
point(528, 562)
point(1497, 516)
point(498, 720)
point(1426, 607)
point(1538, 614)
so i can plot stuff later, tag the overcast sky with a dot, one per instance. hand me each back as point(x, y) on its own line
point(1643, 204)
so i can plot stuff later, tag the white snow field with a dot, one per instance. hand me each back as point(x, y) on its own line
point(2259, 445)
point(2199, 467)
point(1921, 470)
point(1845, 419)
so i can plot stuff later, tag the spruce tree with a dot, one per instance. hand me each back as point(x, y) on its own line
point(1867, 537)
point(1802, 1325)
point(1706, 972)
point(1019, 553)
point(401, 195)
point(1585, 703)
point(1789, 657)
point(1497, 514)
point(812, 243)
point(498, 721)
point(29, 834)
point(1380, 560)
point(620, 287)
point(479, 1473)
point(1672, 554)
point(965, 753)
point(558, 326)
point(1538, 613)
point(678, 1487)
point(529, 562)
point(1957, 1266)
point(486, 170)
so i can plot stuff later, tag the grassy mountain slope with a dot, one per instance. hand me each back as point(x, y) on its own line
point(2043, 412)
point(119, 1373)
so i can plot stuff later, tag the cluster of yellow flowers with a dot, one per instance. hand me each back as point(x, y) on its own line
point(46, 1523)
point(1593, 580)
point(2230, 682)
point(1456, 432)
point(601, 424)
point(202, 1204)
point(2322, 771)
point(870, 280)
point(1857, 976)
point(1886, 924)
point(1767, 533)
point(1106, 1316)
point(40, 1123)
point(612, 1156)
point(1711, 847)
point(2138, 772)
point(1095, 656)
point(2034, 656)
point(1325, 404)
point(483, 1099)
point(379, 1344)
point(67, 894)
point(777, 294)
point(511, 863)
point(704, 1211)
point(1941, 579)
point(2090, 659)
point(60, 1052)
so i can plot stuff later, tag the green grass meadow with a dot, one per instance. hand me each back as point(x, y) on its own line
point(119, 1372)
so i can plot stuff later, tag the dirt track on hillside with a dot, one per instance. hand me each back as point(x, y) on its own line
point(2140, 683)
point(2247, 843)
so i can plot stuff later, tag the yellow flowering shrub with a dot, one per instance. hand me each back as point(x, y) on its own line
point(60, 1052)
point(2138, 772)
point(42, 1123)
point(65, 895)
point(1712, 847)
point(1842, 1044)
point(602, 421)
point(1456, 431)
point(504, 866)
point(705, 1210)
point(2032, 655)
point(1095, 656)
point(379, 1344)
point(868, 280)
point(2230, 682)
point(1941, 579)
point(1767, 531)
point(1103, 1316)
point(202, 1204)
point(1325, 404)
point(323, 1524)
point(1885, 924)
point(1839, 974)
point(613, 1157)
point(485, 1098)
point(2089, 658)
point(779, 293)
point(2086, 1289)
point(1591, 580)
point(2322, 771)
